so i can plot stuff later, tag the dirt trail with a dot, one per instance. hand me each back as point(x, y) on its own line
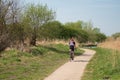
point(72, 70)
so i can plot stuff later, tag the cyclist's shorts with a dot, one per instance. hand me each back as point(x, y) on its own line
point(72, 48)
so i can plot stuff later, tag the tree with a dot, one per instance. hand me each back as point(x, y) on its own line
point(75, 30)
point(35, 16)
point(51, 30)
point(116, 35)
point(74, 25)
point(96, 30)
point(100, 37)
point(8, 15)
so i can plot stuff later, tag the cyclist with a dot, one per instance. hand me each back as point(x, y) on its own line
point(72, 47)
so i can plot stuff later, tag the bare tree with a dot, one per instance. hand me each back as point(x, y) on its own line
point(8, 17)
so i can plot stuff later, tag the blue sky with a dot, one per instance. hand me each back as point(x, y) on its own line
point(104, 14)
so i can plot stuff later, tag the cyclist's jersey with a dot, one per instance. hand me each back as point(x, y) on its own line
point(72, 43)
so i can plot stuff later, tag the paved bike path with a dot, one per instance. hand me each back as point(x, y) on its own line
point(72, 70)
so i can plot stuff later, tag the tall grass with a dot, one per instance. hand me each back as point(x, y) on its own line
point(104, 65)
point(111, 43)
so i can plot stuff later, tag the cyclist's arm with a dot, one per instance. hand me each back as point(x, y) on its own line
point(74, 45)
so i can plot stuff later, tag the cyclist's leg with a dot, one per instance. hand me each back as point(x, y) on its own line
point(71, 54)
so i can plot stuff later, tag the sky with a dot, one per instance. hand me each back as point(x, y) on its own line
point(104, 14)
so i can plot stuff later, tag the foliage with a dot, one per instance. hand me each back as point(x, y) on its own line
point(86, 32)
point(116, 35)
point(35, 16)
point(55, 30)
point(51, 30)
point(9, 11)
point(74, 25)
point(100, 37)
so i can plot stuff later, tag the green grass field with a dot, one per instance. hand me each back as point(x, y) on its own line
point(43, 60)
point(105, 65)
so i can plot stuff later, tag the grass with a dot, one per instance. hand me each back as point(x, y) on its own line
point(37, 65)
point(104, 65)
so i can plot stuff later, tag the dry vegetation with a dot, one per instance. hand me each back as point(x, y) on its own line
point(65, 42)
point(111, 44)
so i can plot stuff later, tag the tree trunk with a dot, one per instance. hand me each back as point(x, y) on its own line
point(33, 40)
point(34, 37)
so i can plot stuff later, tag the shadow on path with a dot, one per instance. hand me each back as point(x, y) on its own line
point(81, 61)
